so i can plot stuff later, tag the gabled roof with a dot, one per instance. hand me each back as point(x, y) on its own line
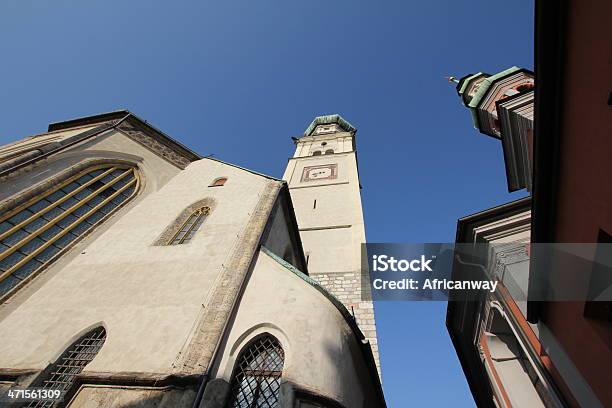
point(89, 120)
point(327, 120)
point(124, 114)
point(122, 120)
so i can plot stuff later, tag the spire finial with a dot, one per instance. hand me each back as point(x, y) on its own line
point(452, 79)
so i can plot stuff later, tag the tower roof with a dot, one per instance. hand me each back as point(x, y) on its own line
point(474, 88)
point(487, 84)
point(327, 120)
point(463, 84)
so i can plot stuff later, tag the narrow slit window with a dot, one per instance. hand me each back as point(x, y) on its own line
point(257, 375)
point(191, 225)
point(34, 234)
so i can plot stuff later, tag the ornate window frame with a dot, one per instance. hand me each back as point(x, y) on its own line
point(191, 225)
point(206, 206)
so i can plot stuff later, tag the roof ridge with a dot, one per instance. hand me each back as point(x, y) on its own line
point(242, 168)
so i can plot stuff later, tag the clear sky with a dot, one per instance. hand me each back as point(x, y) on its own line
point(238, 79)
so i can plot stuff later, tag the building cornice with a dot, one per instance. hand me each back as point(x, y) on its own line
point(327, 120)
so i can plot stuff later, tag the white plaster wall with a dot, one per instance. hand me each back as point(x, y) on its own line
point(321, 353)
point(148, 297)
point(338, 204)
point(111, 145)
point(331, 250)
point(328, 211)
point(341, 142)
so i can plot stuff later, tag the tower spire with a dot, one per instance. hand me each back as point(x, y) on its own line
point(452, 79)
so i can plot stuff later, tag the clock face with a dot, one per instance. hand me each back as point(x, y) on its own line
point(322, 172)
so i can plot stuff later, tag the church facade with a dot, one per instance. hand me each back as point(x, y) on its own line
point(135, 272)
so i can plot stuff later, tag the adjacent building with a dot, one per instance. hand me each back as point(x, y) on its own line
point(135, 272)
point(515, 350)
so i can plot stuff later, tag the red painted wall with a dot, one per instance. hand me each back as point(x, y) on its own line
point(585, 184)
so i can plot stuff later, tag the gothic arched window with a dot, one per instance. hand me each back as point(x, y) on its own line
point(37, 232)
point(61, 374)
point(257, 375)
point(191, 225)
point(218, 182)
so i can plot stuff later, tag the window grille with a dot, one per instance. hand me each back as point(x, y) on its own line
point(36, 233)
point(191, 225)
point(257, 375)
point(62, 373)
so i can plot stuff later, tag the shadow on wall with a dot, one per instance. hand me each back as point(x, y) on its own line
point(346, 363)
point(170, 398)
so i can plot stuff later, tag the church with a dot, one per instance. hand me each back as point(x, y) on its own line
point(135, 272)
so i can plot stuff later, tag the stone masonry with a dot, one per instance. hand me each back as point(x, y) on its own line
point(347, 288)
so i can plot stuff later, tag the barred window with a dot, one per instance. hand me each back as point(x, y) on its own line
point(257, 375)
point(38, 232)
point(61, 374)
point(191, 225)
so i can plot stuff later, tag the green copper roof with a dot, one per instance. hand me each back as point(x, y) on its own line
point(466, 80)
point(482, 90)
point(486, 84)
point(329, 119)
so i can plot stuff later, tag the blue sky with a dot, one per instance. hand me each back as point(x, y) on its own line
point(238, 79)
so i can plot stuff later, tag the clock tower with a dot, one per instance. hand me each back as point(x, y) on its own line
point(324, 184)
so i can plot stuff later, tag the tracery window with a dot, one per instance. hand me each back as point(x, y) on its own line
point(61, 374)
point(257, 375)
point(191, 225)
point(37, 232)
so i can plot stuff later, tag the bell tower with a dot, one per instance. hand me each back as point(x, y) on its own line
point(324, 185)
